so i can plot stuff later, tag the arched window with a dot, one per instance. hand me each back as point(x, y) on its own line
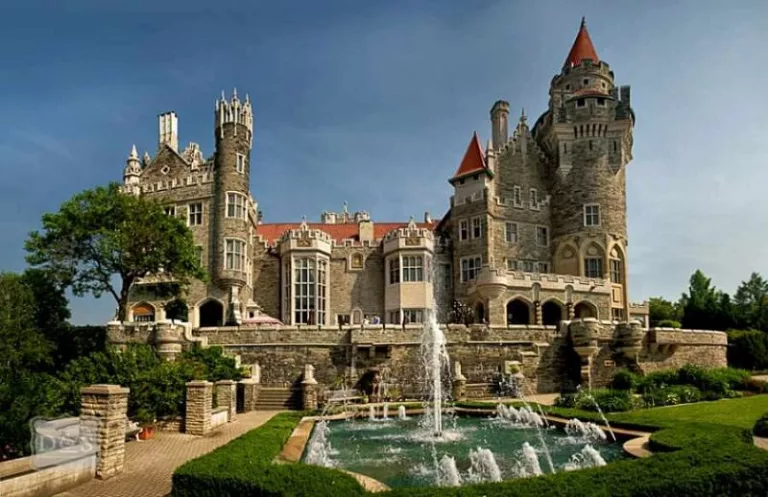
point(479, 313)
point(551, 313)
point(585, 310)
point(211, 314)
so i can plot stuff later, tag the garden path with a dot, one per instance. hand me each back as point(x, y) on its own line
point(149, 464)
point(761, 442)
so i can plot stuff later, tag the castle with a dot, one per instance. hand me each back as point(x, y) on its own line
point(534, 245)
point(536, 231)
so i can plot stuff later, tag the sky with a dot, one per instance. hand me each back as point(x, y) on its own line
point(374, 103)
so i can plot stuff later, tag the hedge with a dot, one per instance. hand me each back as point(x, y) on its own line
point(761, 426)
point(748, 349)
point(693, 459)
point(244, 467)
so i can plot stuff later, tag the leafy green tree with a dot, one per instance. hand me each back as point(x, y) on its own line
point(700, 304)
point(751, 303)
point(660, 309)
point(102, 235)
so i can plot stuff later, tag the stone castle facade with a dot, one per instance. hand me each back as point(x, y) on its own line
point(534, 244)
point(536, 231)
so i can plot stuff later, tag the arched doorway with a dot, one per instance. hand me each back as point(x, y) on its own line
point(585, 310)
point(479, 313)
point(518, 312)
point(143, 313)
point(211, 314)
point(551, 313)
point(177, 310)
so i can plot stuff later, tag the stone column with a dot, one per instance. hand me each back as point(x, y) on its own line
point(570, 311)
point(226, 396)
point(459, 383)
point(537, 313)
point(103, 419)
point(309, 388)
point(251, 390)
point(199, 407)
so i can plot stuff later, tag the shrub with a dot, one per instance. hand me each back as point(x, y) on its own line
point(669, 323)
point(748, 349)
point(761, 426)
point(657, 379)
point(608, 400)
point(672, 395)
point(624, 380)
point(244, 467)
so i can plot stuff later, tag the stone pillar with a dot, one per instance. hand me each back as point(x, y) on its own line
point(103, 419)
point(537, 312)
point(459, 383)
point(168, 340)
point(199, 407)
point(226, 396)
point(309, 388)
point(570, 311)
point(251, 390)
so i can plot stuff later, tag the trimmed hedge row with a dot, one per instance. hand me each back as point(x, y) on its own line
point(243, 467)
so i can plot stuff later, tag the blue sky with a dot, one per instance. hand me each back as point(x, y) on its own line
point(374, 102)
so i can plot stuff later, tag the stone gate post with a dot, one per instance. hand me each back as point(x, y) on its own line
point(103, 410)
point(226, 396)
point(199, 407)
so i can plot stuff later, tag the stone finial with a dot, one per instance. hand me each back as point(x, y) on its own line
point(457, 371)
point(309, 374)
point(134, 154)
point(256, 372)
point(146, 159)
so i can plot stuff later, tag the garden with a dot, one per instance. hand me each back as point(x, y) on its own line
point(702, 423)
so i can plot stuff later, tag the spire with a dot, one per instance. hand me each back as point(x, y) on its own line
point(474, 159)
point(523, 118)
point(134, 153)
point(582, 47)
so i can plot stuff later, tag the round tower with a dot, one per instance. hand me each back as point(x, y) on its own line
point(587, 131)
point(231, 206)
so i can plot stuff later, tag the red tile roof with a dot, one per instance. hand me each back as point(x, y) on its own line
point(582, 48)
point(474, 158)
point(272, 232)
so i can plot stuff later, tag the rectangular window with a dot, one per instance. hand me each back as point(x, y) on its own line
point(413, 268)
point(469, 268)
point(511, 265)
point(342, 319)
point(195, 214)
point(304, 288)
point(591, 215)
point(534, 199)
point(445, 275)
point(593, 267)
point(618, 314)
point(464, 230)
point(413, 316)
point(528, 266)
point(241, 163)
point(235, 255)
point(477, 227)
point(170, 210)
point(543, 267)
point(616, 271)
point(322, 268)
point(542, 236)
point(236, 205)
point(510, 232)
point(199, 253)
point(517, 196)
point(581, 102)
point(394, 271)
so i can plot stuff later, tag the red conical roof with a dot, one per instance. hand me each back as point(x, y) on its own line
point(474, 159)
point(582, 48)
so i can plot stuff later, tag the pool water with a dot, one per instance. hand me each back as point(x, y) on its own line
point(399, 453)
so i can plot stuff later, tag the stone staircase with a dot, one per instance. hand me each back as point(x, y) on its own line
point(279, 398)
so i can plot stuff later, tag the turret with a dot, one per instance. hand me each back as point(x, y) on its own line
point(132, 172)
point(587, 132)
point(499, 123)
point(234, 135)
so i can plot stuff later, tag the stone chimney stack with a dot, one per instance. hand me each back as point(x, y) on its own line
point(427, 218)
point(168, 125)
point(499, 124)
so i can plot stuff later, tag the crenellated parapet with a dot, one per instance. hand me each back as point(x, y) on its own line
point(410, 237)
point(305, 239)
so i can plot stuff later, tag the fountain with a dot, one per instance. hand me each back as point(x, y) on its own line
point(319, 447)
point(600, 411)
point(588, 431)
point(435, 359)
point(372, 413)
point(385, 411)
point(401, 413)
point(589, 457)
point(530, 462)
point(448, 475)
point(483, 466)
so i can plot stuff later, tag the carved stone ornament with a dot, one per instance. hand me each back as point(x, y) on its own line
point(304, 242)
point(412, 240)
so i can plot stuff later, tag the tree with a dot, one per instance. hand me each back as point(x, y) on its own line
point(700, 304)
point(103, 233)
point(660, 309)
point(751, 303)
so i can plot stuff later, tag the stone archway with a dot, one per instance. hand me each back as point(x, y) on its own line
point(211, 314)
point(143, 313)
point(518, 312)
point(551, 313)
point(585, 309)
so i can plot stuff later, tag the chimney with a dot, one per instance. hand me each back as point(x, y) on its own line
point(427, 218)
point(499, 124)
point(168, 125)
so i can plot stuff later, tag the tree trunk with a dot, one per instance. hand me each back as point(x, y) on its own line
point(122, 303)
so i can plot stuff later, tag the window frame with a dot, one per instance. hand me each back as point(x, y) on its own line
point(240, 163)
point(617, 271)
point(412, 267)
point(464, 230)
point(194, 218)
point(517, 196)
point(534, 202)
point(588, 270)
point(170, 210)
point(588, 215)
point(507, 232)
point(470, 273)
point(546, 235)
point(237, 208)
point(477, 228)
point(238, 258)
point(394, 270)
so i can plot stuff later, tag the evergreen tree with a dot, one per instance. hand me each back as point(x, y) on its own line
point(751, 303)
